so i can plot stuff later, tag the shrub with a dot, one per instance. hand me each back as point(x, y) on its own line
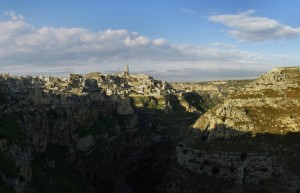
point(215, 170)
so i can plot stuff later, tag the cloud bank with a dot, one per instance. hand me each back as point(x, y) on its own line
point(247, 27)
point(26, 49)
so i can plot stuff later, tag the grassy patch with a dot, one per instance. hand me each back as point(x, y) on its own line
point(99, 134)
point(268, 119)
point(151, 102)
point(105, 127)
point(293, 93)
point(246, 96)
point(98, 128)
point(196, 101)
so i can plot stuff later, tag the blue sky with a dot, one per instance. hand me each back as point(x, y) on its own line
point(175, 40)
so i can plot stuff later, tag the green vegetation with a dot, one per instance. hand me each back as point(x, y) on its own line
point(293, 93)
point(268, 93)
point(104, 128)
point(52, 173)
point(97, 129)
point(166, 114)
point(174, 104)
point(281, 116)
point(151, 102)
point(10, 129)
point(197, 101)
point(268, 119)
point(7, 165)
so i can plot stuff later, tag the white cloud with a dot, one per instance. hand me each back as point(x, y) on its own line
point(247, 27)
point(26, 49)
point(14, 16)
point(223, 45)
point(188, 11)
point(159, 42)
point(136, 40)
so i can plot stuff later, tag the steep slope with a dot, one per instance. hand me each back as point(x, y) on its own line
point(250, 142)
point(76, 125)
point(271, 104)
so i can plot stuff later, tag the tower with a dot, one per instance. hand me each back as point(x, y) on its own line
point(126, 72)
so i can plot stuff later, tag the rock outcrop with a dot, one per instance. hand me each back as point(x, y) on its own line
point(268, 105)
point(246, 170)
point(251, 139)
point(79, 122)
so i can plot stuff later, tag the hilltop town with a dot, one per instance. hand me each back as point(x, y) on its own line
point(96, 86)
point(48, 89)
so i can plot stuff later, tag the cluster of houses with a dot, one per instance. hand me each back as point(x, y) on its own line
point(45, 89)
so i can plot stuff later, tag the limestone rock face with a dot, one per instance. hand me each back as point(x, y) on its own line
point(245, 170)
point(268, 105)
point(55, 124)
point(21, 159)
point(124, 106)
point(77, 123)
point(133, 123)
point(85, 143)
point(251, 139)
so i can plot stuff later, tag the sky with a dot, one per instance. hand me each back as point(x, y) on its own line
point(173, 40)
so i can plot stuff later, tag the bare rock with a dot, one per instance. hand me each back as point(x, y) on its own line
point(85, 143)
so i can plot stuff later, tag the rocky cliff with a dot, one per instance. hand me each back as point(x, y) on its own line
point(269, 104)
point(77, 123)
point(250, 140)
point(84, 143)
